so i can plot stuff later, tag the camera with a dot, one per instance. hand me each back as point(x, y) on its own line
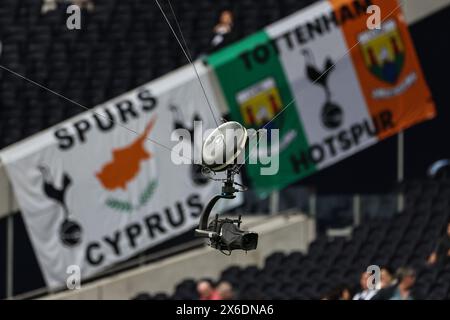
point(226, 235)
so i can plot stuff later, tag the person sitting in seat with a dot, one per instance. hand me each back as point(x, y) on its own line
point(205, 290)
point(388, 285)
point(223, 31)
point(406, 279)
point(224, 291)
point(366, 293)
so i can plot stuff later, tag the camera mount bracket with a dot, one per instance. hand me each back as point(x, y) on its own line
point(225, 234)
point(228, 191)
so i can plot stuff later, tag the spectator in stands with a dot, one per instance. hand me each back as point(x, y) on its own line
point(223, 31)
point(84, 4)
point(387, 279)
point(346, 293)
point(341, 292)
point(387, 286)
point(224, 291)
point(441, 254)
point(50, 5)
point(205, 290)
point(406, 278)
point(366, 293)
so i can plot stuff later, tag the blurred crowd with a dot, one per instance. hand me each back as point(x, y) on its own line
point(391, 286)
point(385, 285)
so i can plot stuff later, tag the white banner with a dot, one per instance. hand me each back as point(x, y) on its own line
point(95, 190)
point(341, 82)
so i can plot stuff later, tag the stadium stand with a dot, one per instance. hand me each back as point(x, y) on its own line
point(115, 51)
point(407, 239)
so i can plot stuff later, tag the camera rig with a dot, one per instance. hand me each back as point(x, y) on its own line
point(225, 234)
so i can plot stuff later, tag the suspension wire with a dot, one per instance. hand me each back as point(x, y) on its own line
point(188, 58)
point(179, 30)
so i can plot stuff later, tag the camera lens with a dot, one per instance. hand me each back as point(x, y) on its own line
point(249, 241)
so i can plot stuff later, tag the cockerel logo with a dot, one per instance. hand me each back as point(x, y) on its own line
point(332, 114)
point(70, 231)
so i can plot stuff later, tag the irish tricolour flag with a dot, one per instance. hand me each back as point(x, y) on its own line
point(331, 85)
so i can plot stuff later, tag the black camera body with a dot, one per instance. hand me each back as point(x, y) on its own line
point(226, 235)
